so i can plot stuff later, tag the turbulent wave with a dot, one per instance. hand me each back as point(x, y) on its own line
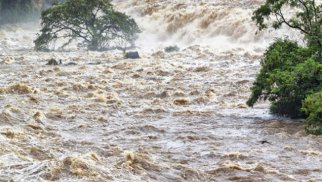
point(223, 25)
point(177, 116)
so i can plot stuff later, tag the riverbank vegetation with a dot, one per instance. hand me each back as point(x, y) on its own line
point(291, 75)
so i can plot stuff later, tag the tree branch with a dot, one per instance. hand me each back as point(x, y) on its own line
point(290, 25)
point(75, 32)
point(307, 13)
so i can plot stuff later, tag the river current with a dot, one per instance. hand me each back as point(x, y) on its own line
point(177, 116)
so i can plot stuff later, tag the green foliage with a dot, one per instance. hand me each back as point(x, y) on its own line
point(291, 76)
point(312, 106)
point(287, 75)
point(308, 18)
point(95, 22)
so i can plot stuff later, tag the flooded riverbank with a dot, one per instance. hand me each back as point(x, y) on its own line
point(177, 116)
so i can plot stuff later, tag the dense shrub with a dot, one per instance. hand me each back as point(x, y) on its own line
point(312, 106)
point(291, 75)
point(288, 74)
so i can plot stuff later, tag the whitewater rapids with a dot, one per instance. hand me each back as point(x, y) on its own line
point(177, 116)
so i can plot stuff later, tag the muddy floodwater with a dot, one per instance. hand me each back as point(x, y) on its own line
point(177, 116)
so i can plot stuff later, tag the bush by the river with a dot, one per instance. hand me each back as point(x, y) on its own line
point(312, 106)
point(291, 75)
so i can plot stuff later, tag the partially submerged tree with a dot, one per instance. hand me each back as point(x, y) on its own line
point(290, 75)
point(93, 22)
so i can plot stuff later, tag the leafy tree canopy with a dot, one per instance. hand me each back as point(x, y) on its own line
point(307, 19)
point(312, 106)
point(291, 75)
point(288, 74)
point(94, 22)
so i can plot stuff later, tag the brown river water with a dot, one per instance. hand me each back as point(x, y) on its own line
point(165, 117)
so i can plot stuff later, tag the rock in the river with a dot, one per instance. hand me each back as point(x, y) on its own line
point(172, 49)
point(132, 55)
point(53, 61)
